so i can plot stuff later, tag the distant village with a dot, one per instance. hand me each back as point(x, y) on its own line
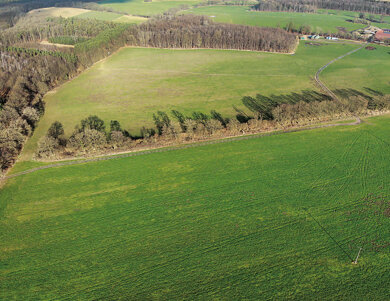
point(370, 33)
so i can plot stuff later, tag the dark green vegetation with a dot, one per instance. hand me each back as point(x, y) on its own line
point(273, 217)
point(369, 6)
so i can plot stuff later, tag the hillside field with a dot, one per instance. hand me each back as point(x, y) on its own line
point(134, 83)
point(142, 8)
point(109, 16)
point(324, 21)
point(65, 12)
point(278, 217)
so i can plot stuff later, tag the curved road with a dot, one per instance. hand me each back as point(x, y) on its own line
point(167, 149)
point(317, 79)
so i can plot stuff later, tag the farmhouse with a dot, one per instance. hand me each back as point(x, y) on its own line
point(382, 34)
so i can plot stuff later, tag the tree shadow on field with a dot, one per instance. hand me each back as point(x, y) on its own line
point(373, 92)
point(264, 104)
point(306, 96)
point(346, 93)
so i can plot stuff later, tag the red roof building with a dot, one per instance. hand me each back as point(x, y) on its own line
point(382, 34)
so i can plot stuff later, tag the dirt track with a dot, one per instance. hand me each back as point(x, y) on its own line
point(322, 85)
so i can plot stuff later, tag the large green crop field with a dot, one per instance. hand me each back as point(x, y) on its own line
point(134, 83)
point(324, 22)
point(278, 217)
point(140, 7)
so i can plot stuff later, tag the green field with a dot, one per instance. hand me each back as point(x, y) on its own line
point(109, 16)
point(139, 7)
point(326, 22)
point(134, 83)
point(363, 68)
point(224, 221)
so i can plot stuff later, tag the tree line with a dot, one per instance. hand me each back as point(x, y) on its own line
point(369, 6)
point(264, 113)
point(25, 76)
point(70, 57)
point(31, 29)
point(189, 31)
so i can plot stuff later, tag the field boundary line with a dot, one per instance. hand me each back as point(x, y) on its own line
point(321, 84)
point(177, 147)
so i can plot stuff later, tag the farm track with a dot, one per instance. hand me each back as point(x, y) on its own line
point(166, 149)
point(320, 83)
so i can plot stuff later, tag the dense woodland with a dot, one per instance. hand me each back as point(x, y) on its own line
point(190, 31)
point(24, 78)
point(32, 30)
point(369, 6)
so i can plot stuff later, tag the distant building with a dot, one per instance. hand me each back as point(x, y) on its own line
point(382, 34)
point(332, 38)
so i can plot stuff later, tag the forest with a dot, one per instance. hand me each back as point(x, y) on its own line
point(189, 31)
point(368, 6)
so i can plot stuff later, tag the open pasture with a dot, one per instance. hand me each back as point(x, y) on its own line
point(65, 12)
point(134, 83)
point(364, 69)
point(113, 17)
point(278, 217)
point(145, 8)
point(325, 22)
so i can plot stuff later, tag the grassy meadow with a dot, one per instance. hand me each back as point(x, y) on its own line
point(113, 17)
point(365, 68)
point(134, 83)
point(65, 12)
point(142, 8)
point(278, 217)
point(325, 21)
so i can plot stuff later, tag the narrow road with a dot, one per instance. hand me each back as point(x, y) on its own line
point(320, 83)
point(167, 149)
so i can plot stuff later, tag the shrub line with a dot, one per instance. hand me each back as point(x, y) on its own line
point(178, 147)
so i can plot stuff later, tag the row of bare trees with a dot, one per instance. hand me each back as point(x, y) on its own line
point(91, 137)
point(369, 6)
point(189, 31)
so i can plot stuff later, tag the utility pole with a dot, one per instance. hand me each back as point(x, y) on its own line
point(357, 257)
